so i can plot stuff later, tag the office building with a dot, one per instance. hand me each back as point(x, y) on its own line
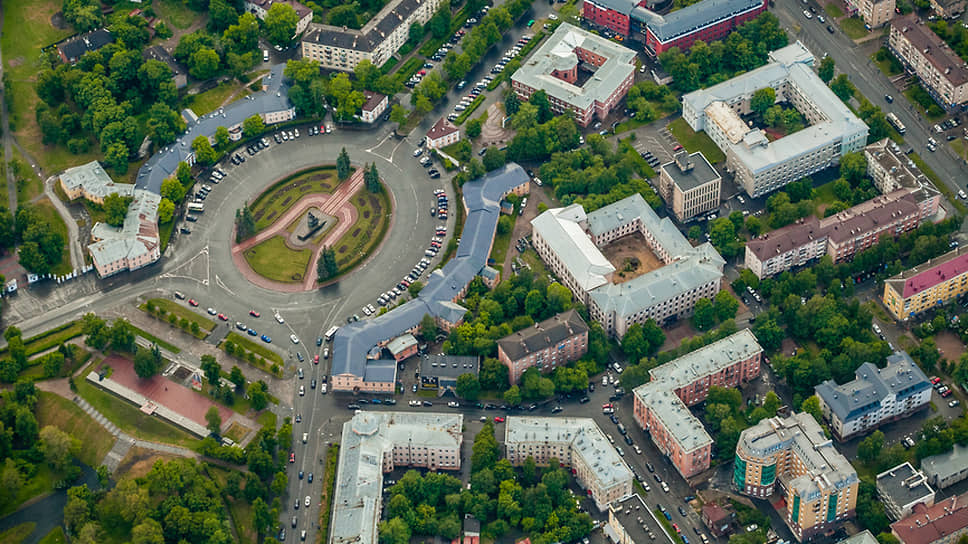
point(760, 165)
point(841, 235)
point(554, 342)
point(442, 134)
point(568, 241)
point(875, 397)
point(581, 72)
point(818, 482)
point(875, 13)
point(576, 442)
point(943, 523)
point(342, 48)
point(946, 469)
point(927, 285)
point(941, 71)
point(260, 8)
point(662, 405)
point(900, 488)
point(373, 108)
point(689, 185)
point(377, 442)
point(892, 170)
point(708, 20)
point(622, 526)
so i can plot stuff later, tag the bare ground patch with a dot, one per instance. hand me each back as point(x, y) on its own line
point(139, 461)
point(949, 345)
point(631, 257)
point(676, 334)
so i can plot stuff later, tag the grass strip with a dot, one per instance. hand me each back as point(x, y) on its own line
point(945, 190)
point(388, 65)
point(433, 44)
point(408, 69)
point(56, 536)
point(696, 141)
point(329, 488)
point(470, 109)
point(18, 533)
point(65, 415)
point(255, 352)
point(155, 340)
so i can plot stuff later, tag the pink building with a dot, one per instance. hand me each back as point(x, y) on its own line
point(554, 342)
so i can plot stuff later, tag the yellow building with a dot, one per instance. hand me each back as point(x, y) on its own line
point(818, 483)
point(927, 285)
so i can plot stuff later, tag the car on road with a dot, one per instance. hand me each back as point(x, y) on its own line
point(252, 332)
point(294, 338)
point(682, 512)
point(417, 152)
point(308, 500)
point(254, 313)
point(954, 403)
point(211, 311)
point(498, 419)
point(830, 29)
point(292, 457)
point(309, 477)
point(279, 318)
point(453, 404)
point(223, 317)
point(298, 418)
point(266, 339)
point(428, 403)
point(889, 98)
point(302, 390)
point(807, 14)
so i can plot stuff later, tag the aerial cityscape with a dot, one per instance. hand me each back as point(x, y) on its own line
point(484, 271)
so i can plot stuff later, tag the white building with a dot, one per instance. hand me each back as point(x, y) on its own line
point(762, 166)
point(574, 441)
point(373, 108)
point(568, 240)
point(260, 8)
point(341, 48)
point(442, 134)
point(377, 442)
point(900, 488)
point(876, 396)
point(946, 469)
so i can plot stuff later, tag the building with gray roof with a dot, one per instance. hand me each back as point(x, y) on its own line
point(568, 241)
point(689, 185)
point(376, 442)
point(558, 340)
point(439, 371)
point(582, 72)
point(900, 488)
point(863, 537)
point(354, 367)
point(72, 49)
point(819, 483)
point(946, 469)
point(574, 441)
point(761, 165)
point(875, 397)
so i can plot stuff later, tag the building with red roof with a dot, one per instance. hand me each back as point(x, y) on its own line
point(442, 134)
point(942, 523)
point(927, 285)
point(373, 108)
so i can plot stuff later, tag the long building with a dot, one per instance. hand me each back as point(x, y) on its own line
point(927, 285)
point(558, 340)
point(708, 20)
point(941, 71)
point(568, 241)
point(892, 170)
point(581, 72)
point(577, 442)
point(376, 442)
point(662, 404)
point(358, 360)
point(341, 48)
point(760, 165)
point(818, 483)
point(875, 396)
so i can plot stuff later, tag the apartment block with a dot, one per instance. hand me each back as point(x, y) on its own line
point(689, 185)
point(341, 48)
point(927, 285)
point(875, 397)
point(761, 166)
point(577, 442)
point(900, 488)
point(892, 170)
point(661, 406)
point(942, 523)
point(554, 342)
point(875, 13)
point(948, 9)
point(377, 442)
point(818, 482)
point(942, 72)
point(581, 72)
point(568, 241)
point(442, 134)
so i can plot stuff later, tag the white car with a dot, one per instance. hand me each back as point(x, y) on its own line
point(305, 437)
point(807, 14)
point(294, 338)
point(414, 403)
point(553, 17)
point(308, 500)
point(302, 390)
point(279, 318)
point(453, 404)
point(367, 311)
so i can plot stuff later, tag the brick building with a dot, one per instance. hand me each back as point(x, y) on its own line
point(942, 72)
point(554, 342)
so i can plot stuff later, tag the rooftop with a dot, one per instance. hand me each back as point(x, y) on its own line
point(635, 208)
point(932, 47)
point(373, 100)
point(366, 439)
point(901, 378)
point(944, 465)
point(586, 439)
point(863, 537)
point(93, 180)
point(931, 273)
point(905, 485)
point(690, 171)
point(692, 18)
point(448, 366)
point(542, 335)
point(401, 343)
point(562, 230)
point(708, 359)
point(441, 128)
point(929, 524)
point(559, 50)
point(683, 427)
point(901, 170)
point(373, 32)
point(73, 48)
point(301, 10)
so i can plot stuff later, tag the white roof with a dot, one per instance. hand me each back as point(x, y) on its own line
point(138, 235)
point(561, 229)
point(92, 178)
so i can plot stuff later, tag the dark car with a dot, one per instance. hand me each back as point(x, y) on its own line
point(650, 467)
point(319, 340)
point(185, 230)
point(427, 403)
point(583, 400)
point(830, 29)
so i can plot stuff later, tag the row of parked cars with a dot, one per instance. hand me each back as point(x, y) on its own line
point(476, 90)
point(510, 54)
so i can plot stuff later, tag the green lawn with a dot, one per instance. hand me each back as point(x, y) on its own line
point(212, 99)
point(18, 533)
point(696, 141)
point(253, 346)
point(155, 340)
point(889, 66)
point(825, 194)
point(282, 195)
point(47, 211)
point(329, 488)
point(274, 260)
point(833, 10)
point(919, 97)
point(29, 185)
point(499, 250)
point(960, 146)
point(49, 339)
point(853, 27)
point(40, 483)
point(175, 12)
point(56, 536)
point(130, 419)
point(373, 219)
point(470, 109)
point(172, 307)
point(68, 417)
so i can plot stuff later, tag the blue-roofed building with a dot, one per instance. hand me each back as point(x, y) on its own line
point(875, 397)
point(356, 365)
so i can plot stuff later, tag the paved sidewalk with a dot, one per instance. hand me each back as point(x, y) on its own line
point(73, 236)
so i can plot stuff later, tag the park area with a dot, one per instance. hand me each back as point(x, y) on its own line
point(275, 260)
point(277, 199)
point(373, 219)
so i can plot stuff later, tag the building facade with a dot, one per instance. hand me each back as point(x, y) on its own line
point(876, 396)
point(819, 484)
point(875, 13)
point(761, 165)
point(581, 72)
point(558, 340)
point(942, 73)
point(577, 442)
point(341, 48)
point(927, 285)
point(891, 171)
point(373, 108)
point(946, 469)
point(377, 442)
point(689, 185)
point(442, 134)
point(568, 241)
point(900, 488)
point(661, 406)
point(942, 523)
point(260, 8)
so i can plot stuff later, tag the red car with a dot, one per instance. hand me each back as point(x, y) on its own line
point(315, 359)
point(193, 302)
point(935, 380)
point(292, 457)
point(498, 419)
point(676, 527)
point(222, 317)
point(677, 147)
point(254, 313)
point(946, 394)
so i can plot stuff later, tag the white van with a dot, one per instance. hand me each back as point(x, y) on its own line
point(265, 55)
